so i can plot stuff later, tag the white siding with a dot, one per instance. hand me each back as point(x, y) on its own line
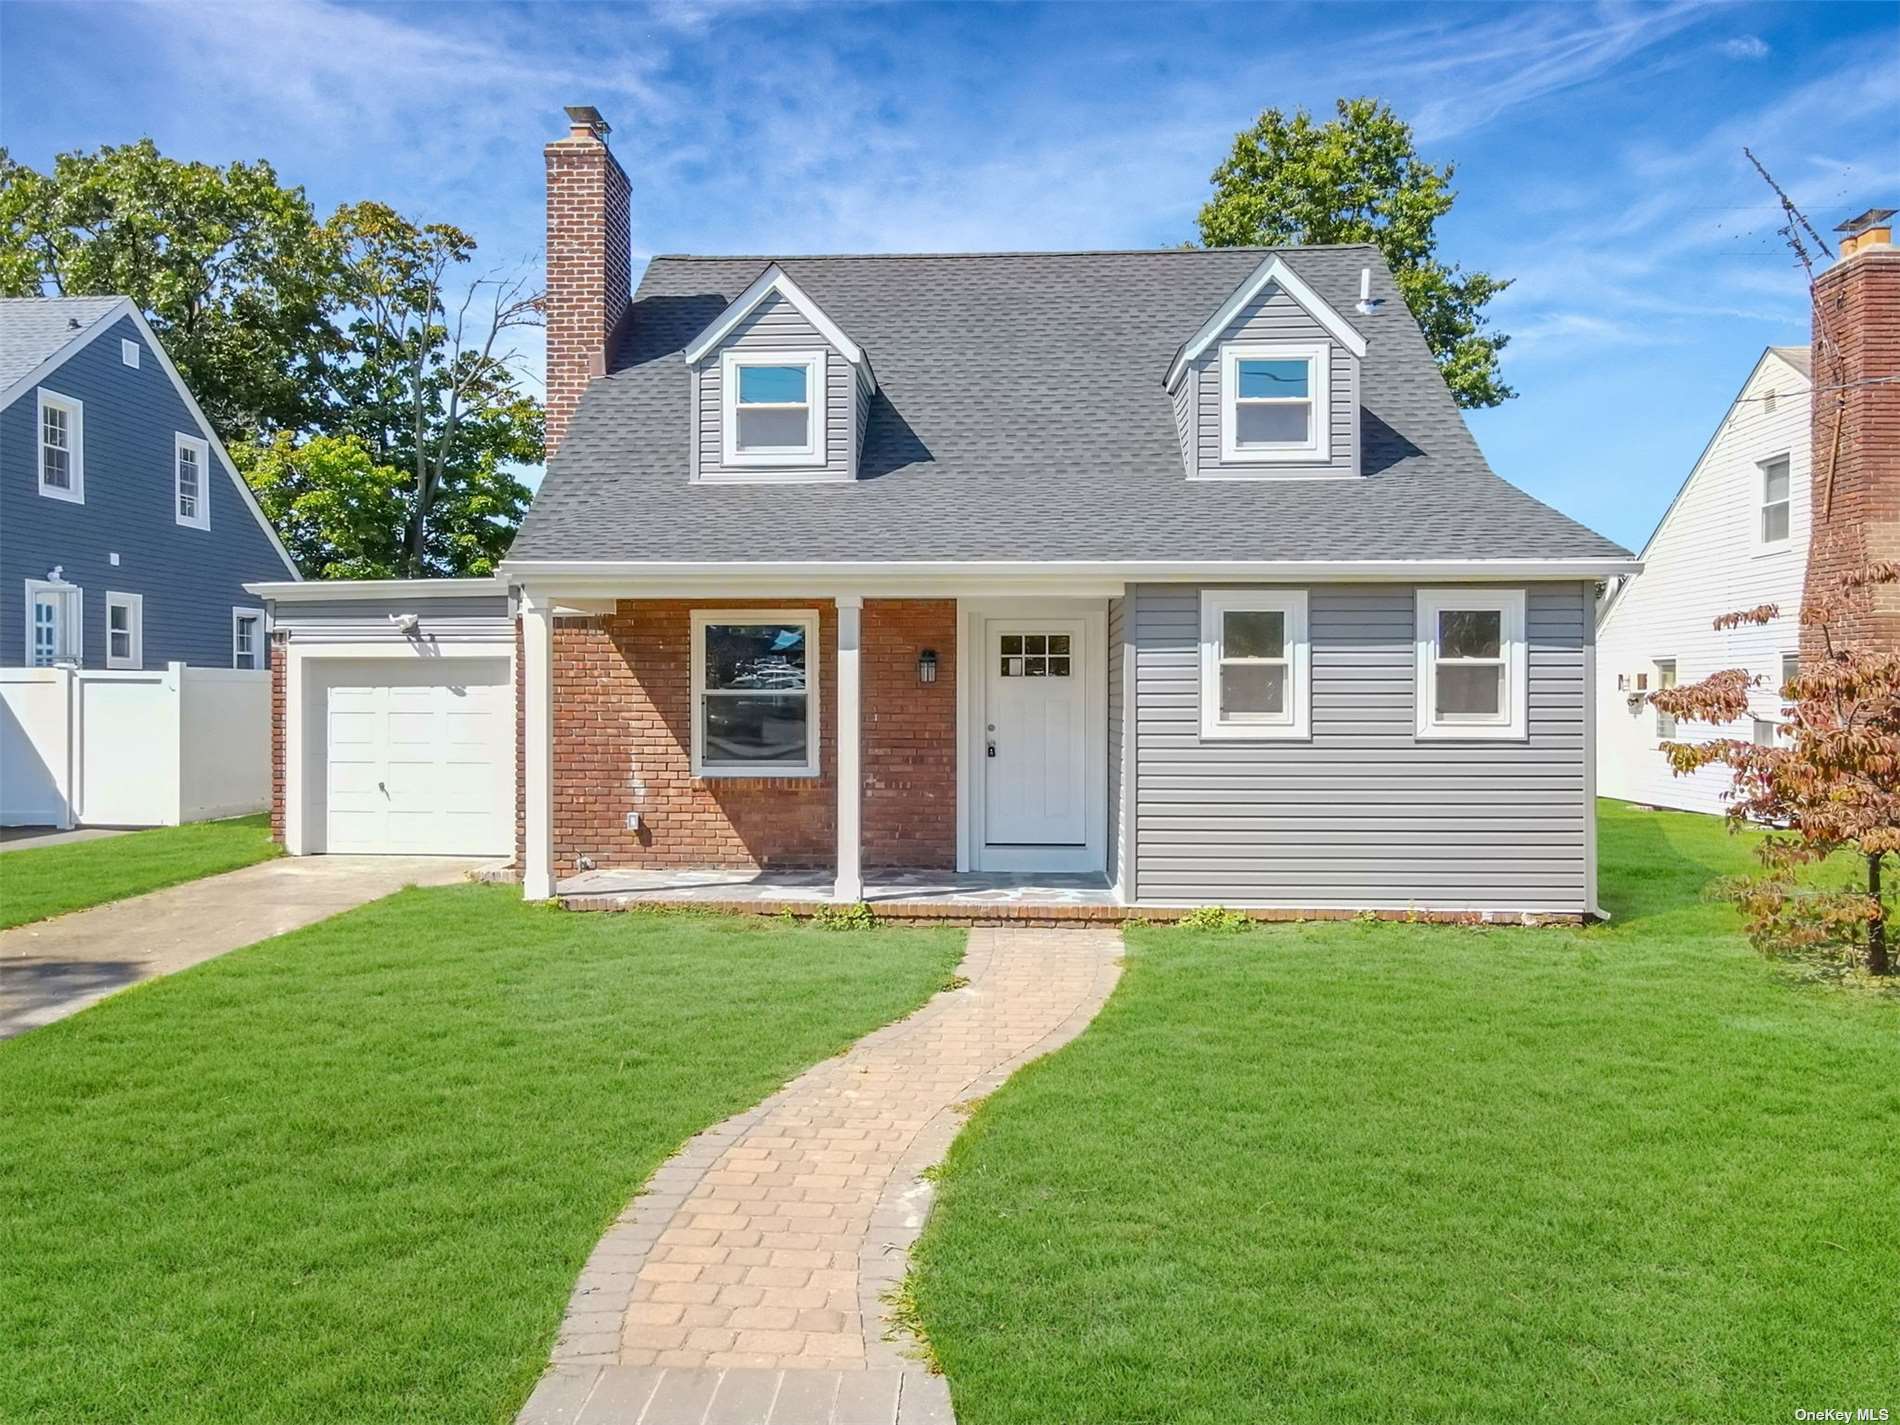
point(1703, 562)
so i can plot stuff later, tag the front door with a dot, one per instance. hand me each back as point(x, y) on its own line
point(1034, 741)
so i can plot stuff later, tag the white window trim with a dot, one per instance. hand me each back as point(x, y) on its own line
point(808, 618)
point(1761, 502)
point(1318, 449)
point(129, 353)
point(1298, 720)
point(135, 625)
point(202, 448)
point(1514, 724)
point(75, 423)
point(72, 627)
point(809, 456)
point(263, 637)
point(1675, 673)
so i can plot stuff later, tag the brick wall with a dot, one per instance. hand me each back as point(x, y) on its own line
point(910, 734)
point(1857, 522)
point(278, 658)
point(623, 743)
point(589, 269)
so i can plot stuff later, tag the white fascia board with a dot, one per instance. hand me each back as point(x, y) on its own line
point(310, 590)
point(655, 579)
point(1290, 282)
point(126, 307)
point(1615, 600)
point(774, 279)
point(79, 339)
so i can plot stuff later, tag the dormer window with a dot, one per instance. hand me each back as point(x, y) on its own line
point(1274, 402)
point(774, 407)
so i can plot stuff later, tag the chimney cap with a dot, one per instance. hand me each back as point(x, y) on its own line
point(586, 116)
point(1872, 218)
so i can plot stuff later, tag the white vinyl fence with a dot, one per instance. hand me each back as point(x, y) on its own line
point(114, 748)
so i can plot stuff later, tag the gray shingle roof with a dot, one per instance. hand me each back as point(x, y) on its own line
point(1801, 358)
point(1021, 416)
point(33, 328)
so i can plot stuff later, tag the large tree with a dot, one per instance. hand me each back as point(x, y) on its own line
point(361, 379)
point(1359, 178)
point(228, 265)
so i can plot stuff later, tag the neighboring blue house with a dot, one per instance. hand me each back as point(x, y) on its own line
point(126, 535)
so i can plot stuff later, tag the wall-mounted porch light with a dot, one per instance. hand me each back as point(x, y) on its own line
point(927, 666)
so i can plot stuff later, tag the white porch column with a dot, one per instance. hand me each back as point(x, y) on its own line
point(850, 885)
point(537, 774)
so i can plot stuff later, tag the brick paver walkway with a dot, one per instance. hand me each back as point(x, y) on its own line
point(747, 1282)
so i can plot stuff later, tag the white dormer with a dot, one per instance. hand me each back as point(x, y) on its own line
point(780, 392)
point(1268, 387)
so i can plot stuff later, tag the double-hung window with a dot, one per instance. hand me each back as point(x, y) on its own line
point(1274, 402)
point(774, 407)
point(62, 426)
point(755, 693)
point(1772, 519)
point(1255, 664)
point(192, 464)
point(247, 638)
point(1472, 678)
point(125, 630)
point(52, 622)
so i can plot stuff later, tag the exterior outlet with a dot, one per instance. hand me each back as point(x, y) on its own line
point(633, 821)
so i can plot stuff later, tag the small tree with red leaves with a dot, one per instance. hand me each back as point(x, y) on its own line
point(1834, 787)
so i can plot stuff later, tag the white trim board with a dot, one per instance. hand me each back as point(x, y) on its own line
point(774, 279)
point(127, 308)
point(1273, 270)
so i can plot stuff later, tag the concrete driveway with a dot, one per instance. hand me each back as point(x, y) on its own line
point(57, 967)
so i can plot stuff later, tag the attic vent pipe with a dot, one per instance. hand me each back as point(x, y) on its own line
point(1367, 303)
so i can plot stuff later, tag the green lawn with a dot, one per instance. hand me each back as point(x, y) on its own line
point(349, 1175)
point(1412, 1173)
point(55, 879)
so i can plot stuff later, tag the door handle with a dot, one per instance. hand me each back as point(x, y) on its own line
point(992, 749)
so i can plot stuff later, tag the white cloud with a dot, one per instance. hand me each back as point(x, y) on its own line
point(1745, 47)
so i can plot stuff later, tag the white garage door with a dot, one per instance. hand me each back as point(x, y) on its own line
point(420, 760)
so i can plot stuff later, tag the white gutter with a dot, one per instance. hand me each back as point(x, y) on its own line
point(312, 590)
point(920, 576)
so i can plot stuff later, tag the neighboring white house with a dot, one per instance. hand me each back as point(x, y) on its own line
point(1735, 537)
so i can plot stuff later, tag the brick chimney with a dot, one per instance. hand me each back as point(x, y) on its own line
point(589, 266)
point(1855, 425)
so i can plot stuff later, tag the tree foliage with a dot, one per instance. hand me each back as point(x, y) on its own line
point(1833, 787)
point(1359, 178)
point(360, 376)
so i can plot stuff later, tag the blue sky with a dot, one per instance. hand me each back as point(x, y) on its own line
point(1598, 150)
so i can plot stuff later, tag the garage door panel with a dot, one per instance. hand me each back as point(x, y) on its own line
point(421, 764)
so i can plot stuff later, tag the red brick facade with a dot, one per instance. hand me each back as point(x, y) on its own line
point(622, 699)
point(1857, 511)
point(589, 269)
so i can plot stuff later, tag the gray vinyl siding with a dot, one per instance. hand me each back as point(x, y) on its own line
point(1185, 396)
point(461, 618)
point(776, 324)
point(1117, 723)
point(1365, 814)
point(1274, 316)
point(190, 579)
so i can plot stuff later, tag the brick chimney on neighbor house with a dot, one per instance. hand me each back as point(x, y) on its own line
point(1855, 425)
point(589, 263)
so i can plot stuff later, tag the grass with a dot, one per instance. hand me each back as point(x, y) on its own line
point(1414, 1173)
point(52, 880)
point(350, 1174)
